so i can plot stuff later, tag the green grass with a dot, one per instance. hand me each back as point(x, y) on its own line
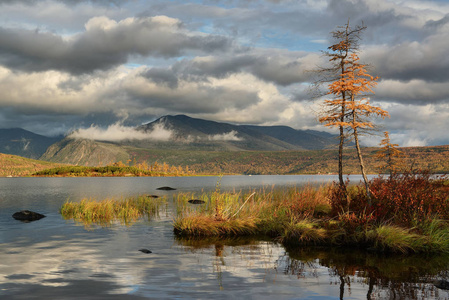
point(108, 211)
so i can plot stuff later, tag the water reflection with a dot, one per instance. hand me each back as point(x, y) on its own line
point(383, 276)
point(337, 273)
point(55, 258)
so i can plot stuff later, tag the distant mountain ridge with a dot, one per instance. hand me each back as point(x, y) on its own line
point(179, 132)
point(24, 143)
point(224, 136)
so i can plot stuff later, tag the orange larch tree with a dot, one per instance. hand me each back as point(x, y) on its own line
point(334, 112)
point(393, 156)
point(350, 110)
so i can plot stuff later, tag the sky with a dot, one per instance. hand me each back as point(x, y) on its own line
point(108, 64)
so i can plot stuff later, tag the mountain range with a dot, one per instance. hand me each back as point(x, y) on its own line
point(178, 132)
point(24, 143)
point(192, 133)
point(208, 147)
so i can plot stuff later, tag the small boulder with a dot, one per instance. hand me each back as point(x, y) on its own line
point(166, 188)
point(27, 216)
point(152, 196)
point(196, 201)
point(441, 284)
point(145, 250)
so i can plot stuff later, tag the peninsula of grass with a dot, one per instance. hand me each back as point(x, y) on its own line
point(108, 211)
point(409, 214)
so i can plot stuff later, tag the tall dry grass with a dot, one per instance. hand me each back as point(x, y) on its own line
point(107, 211)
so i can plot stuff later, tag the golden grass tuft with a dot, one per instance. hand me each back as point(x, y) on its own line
point(107, 211)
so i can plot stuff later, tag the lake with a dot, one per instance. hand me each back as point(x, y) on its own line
point(55, 258)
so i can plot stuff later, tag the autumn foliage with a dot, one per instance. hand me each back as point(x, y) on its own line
point(392, 156)
point(406, 199)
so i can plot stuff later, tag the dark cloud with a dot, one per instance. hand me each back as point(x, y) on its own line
point(427, 60)
point(282, 69)
point(162, 77)
point(103, 45)
point(186, 97)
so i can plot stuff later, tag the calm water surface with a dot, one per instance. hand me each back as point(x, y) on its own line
point(57, 259)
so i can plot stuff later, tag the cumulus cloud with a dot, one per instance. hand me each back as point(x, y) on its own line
point(105, 43)
point(413, 91)
point(118, 132)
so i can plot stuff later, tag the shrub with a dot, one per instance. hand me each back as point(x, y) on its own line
point(403, 199)
point(409, 198)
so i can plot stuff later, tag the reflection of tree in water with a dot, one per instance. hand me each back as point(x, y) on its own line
point(218, 262)
point(382, 276)
point(218, 246)
point(387, 277)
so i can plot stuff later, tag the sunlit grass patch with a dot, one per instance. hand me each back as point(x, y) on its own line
point(198, 225)
point(303, 232)
point(107, 211)
point(267, 211)
point(393, 238)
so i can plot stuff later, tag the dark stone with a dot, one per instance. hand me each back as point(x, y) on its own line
point(145, 251)
point(166, 188)
point(151, 196)
point(196, 201)
point(441, 284)
point(27, 216)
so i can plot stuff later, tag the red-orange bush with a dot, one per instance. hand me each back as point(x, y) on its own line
point(409, 198)
point(404, 199)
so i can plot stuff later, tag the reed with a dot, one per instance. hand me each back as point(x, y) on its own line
point(107, 211)
point(255, 212)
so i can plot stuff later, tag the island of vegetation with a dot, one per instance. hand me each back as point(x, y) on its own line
point(118, 169)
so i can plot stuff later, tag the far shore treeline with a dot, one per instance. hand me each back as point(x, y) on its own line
point(433, 158)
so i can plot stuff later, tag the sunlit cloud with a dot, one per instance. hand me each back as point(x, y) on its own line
point(117, 132)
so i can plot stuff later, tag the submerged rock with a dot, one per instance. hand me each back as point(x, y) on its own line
point(166, 188)
point(196, 201)
point(441, 284)
point(145, 250)
point(27, 216)
point(152, 196)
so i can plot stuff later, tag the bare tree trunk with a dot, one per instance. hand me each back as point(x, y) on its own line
point(340, 158)
point(362, 165)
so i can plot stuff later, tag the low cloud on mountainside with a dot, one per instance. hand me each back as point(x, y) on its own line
point(230, 136)
point(118, 132)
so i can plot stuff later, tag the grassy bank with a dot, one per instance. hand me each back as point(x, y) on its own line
point(14, 166)
point(409, 214)
point(116, 169)
point(108, 211)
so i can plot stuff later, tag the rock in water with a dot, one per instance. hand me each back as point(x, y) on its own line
point(166, 188)
point(441, 284)
point(196, 201)
point(145, 251)
point(152, 196)
point(26, 215)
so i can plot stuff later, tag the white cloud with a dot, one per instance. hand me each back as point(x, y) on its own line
point(229, 136)
point(118, 132)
